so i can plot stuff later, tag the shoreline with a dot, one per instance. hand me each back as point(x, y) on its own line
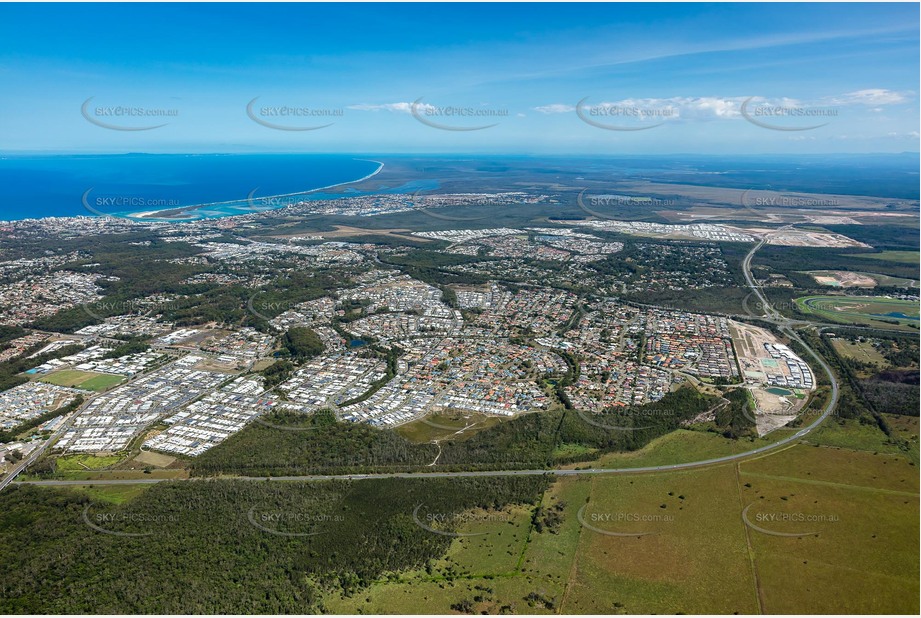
point(154, 215)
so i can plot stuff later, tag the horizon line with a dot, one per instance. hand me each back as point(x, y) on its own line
point(453, 154)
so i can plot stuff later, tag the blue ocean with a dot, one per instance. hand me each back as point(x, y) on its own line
point(74, 185)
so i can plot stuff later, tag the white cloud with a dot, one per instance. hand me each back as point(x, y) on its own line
point(909, 135)
point(709, 107)
point(555, 108)
point(870, 96)
point(677, 108)
point(402, 107)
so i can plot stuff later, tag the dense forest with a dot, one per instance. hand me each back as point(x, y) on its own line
point(291, 444)
point(276, 373)
point(737, 418)
point(892, 397)
point(226, 546)
point(790, 260)
point(702, 300)
point(8, 332)
point(301, 343)
point(882, 237)
point(132, 346)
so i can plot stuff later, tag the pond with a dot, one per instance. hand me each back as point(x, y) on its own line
point(774, 390)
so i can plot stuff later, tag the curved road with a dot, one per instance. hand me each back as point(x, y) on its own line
point(773, 316)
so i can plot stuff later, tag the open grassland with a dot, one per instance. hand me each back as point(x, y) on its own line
point(676, 542)
point(446, 426)
point(856, 436)
point(693, 544)
point(88, 380)
point(905, 427)
point(70, 463)
point(508, 568)
point(857, 514)
point(77, 473)
point(682, 446)
point(150, 458)
point(805, 464)
point(482, 569)
point(887, 281)
point(492, 595)
point(500, 539)
point(862, 351)
point(902, 257)
point(566, 451)
point(552, 554)
point(112, 494)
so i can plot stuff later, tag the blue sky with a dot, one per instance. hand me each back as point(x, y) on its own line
point(542, 78)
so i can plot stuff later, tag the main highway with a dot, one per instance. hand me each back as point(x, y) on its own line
point(771, 315)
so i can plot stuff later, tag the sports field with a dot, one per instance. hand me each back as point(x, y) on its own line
point(87, 380)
